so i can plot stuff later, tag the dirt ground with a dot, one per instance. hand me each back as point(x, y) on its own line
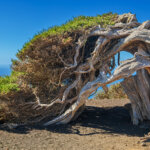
point(104, 125)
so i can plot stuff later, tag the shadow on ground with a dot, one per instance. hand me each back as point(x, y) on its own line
point(115, 120)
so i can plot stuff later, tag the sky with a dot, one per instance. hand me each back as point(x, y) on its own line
point(20, 20)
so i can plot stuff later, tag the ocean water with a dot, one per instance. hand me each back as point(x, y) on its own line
point(5, 70)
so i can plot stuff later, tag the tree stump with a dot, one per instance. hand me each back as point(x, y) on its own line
point(138, 90)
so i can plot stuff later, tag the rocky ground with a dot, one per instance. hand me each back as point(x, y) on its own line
point(104, 125)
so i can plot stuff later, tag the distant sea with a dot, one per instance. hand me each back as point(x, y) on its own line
point(5, 70)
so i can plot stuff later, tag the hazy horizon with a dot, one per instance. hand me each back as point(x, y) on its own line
point(5, 70)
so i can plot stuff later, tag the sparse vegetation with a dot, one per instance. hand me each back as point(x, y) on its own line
point(114, 91)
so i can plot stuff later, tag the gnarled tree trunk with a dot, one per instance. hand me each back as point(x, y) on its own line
point(93, 67)
point(131, 37)
point(138, 90)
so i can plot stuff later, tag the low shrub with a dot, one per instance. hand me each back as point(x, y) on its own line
point(114, 91)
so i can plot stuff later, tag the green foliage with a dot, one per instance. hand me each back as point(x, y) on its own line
point(8, 83)
point(114, 91)
point(77, 23)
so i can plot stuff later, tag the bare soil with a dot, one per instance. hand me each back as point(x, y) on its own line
point(104, 125)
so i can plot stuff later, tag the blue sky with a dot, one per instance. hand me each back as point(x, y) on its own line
point(21, 19)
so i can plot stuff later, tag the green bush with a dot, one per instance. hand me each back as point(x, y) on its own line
point(9, 83)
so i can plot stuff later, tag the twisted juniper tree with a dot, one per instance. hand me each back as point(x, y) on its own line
point(60, 71)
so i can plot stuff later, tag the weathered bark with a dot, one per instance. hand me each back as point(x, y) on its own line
point(137, 88)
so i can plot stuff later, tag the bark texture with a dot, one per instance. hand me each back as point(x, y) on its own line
point(137, 88)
